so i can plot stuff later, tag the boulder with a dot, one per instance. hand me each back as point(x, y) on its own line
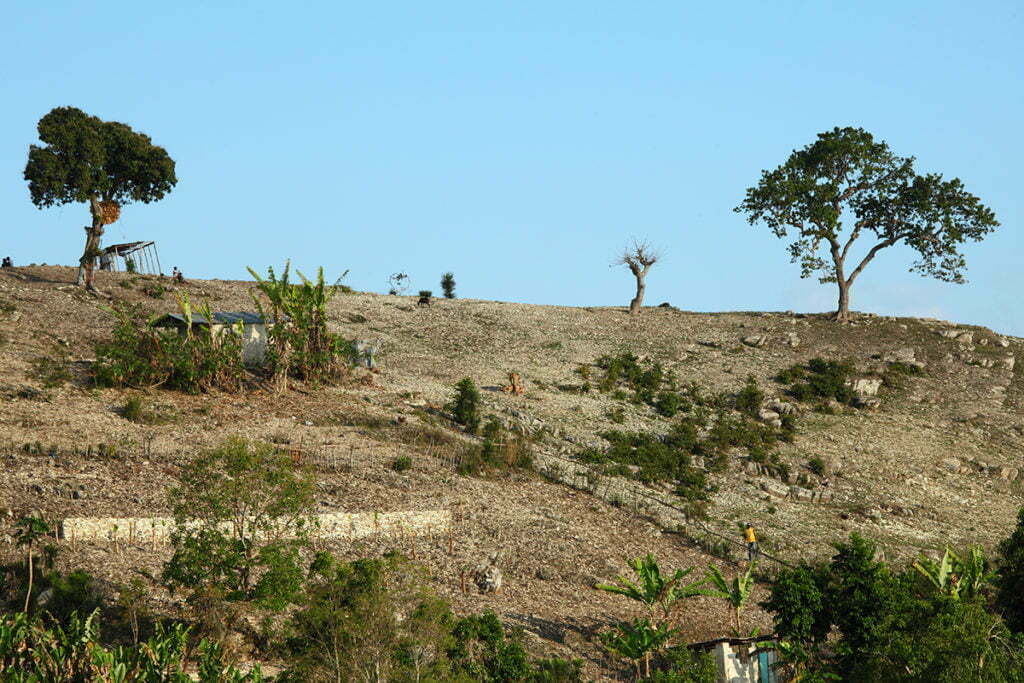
point(487, 576)
point(1003, 342)
point(1007, 472)
point(865, 386)
point(774, 488)
point(951, 464)
point(965, 338)
point(1008, 362)
point(801, 494)
point(792, 339)
point(902, 355)
point(782, 407)
point(755, 340)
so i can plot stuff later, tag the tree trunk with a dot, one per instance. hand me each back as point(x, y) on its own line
point(843, 309)
point(638, 300)
point(93, 233)
point(28, 594)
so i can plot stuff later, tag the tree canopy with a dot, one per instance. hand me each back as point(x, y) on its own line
point(85, 157)
point(848, 176)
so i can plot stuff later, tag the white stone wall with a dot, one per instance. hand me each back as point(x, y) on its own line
point(346, 525)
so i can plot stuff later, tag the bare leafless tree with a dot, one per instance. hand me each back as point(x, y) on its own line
point(638, 257)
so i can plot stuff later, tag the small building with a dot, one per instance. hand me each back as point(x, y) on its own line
point(743, 660)
point(254, 330)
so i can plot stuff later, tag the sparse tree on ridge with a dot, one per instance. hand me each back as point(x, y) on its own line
point(103, 163)
point(846, 176)
point(638, 257)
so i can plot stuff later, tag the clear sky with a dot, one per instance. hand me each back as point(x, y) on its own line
point(520, 144)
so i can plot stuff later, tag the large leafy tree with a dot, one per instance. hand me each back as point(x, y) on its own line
point(102, 163)
point(846, 185)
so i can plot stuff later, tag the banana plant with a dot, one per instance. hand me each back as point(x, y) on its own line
point(655, 591)
point(735, 592)
point(636, 641)
point(30, 530)
point(955, 576)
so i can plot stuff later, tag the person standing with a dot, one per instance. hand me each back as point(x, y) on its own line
point(751, 538)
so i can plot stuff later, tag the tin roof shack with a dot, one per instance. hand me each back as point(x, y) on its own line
point(743, 660)
point(254, 330)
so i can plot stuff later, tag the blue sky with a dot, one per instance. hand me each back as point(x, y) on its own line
point(521, 144)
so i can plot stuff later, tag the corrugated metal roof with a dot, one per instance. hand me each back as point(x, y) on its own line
point(226, 318)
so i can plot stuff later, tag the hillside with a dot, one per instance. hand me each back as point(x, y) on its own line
point(935, 460)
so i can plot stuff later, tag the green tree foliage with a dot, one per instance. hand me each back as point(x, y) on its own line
point(241, 514)
point(906, 625)
point(85, 159)
point(377, 620)
point(39, 649)
point(448, 285)
point(465, 406)
point(1010, 576)
point(845, 176)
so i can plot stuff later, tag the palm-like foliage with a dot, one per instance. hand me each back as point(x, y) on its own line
point(955, 576)
point(735, 592)
point(655, 591)
point(636, 640)
point(29, 531)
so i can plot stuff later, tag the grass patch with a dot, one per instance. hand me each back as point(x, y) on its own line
point(52, 372)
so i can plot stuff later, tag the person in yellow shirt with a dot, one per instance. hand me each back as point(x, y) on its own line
point(751, 538)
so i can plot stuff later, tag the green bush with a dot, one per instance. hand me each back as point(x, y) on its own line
point(242, 513)
point(142, 356)
point(817, 465)
point(750, 398)
point(378, 619)
point(465, 406)
point(819, 379)
point(401, 463)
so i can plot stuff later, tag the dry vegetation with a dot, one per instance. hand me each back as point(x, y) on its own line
point(69, 450)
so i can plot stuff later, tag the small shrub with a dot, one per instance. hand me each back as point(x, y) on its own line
point(816, 465)
point(750, 398)
point(154, 289)
point(133, 410)
point(819, 379)
point(465, 407)
point(52, 371)
point(669, 403)
point(425, 294)
point(448, 285)
point(616, 415)
point(401, 463)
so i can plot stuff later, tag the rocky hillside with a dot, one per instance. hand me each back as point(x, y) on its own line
point(914, 462)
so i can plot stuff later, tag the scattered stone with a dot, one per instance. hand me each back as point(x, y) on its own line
point(801, 494)
point(545, 573)
point(1003, 342)
point(902, 355)
point(951, 464)
point(782, 407)
point(867, 403)
point(755, 340)
point(792, 339)
point(774, 488)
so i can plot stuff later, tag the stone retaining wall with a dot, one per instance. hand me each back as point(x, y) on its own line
point(346, 525)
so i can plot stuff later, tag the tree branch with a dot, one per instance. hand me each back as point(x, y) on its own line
point(867, 259)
